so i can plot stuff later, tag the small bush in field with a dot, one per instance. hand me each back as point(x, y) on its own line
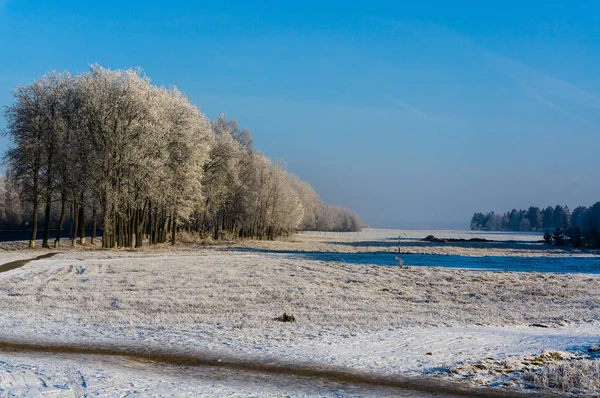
point(285, 318)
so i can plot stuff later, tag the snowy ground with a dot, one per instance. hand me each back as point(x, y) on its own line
point(380, 320)
point(26, 374)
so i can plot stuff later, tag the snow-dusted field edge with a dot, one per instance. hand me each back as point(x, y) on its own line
point(386, 320)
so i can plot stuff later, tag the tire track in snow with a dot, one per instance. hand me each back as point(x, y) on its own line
point(19, 263)
point(404, 385)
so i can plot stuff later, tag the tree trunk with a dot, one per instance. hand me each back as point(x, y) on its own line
point(106, 222)
point(46, 234)
point(121, 226)
point(63, 203)
point(82, 221)
point(106, 231)
point(48, 198)
point(216, 227)
point(75, 221)
point(143, 230)
point(105, 228)
point(72, 223)
point(35, 203)
point(150, 224)
point(157, 231)
point(116, 236)
point(140, 224)
point(168, 230)
point(94, 218)
point(119, 232)
point(174, 228)
point(132, 226)
point(113, 235)
point(166, 227)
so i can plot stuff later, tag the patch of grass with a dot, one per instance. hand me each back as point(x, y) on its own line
point(577, 376)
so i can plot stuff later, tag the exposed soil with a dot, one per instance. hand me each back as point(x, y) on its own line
point(19, 263)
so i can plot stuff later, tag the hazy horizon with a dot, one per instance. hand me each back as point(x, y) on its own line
point(414, 116)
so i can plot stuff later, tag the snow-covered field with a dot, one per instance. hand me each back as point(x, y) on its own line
point(219, 301)
point(56, 375)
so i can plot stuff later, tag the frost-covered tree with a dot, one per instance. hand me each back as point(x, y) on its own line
point(222, 182)
point(187, 142)
point(116, 116)
point(337, 219)
point(108, 149)
point(53, 139)
point(310, 203)
point(287, 211)
point(26, 125)
point(224, 126)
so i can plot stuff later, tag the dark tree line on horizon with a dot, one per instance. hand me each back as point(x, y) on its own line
point(581, 227)
point(107, 151)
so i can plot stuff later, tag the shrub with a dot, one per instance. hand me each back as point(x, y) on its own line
point(285, 318)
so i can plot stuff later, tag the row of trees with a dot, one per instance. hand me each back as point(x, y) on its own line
point(532, 219)
point(578, 228)
point(107, 150)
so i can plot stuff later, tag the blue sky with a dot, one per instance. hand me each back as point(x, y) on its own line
point(413, 115)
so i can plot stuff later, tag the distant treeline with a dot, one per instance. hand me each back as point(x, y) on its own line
point(580, 227)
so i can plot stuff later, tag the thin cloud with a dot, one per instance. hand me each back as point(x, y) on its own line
point(409, 107)
point(525, 76)
point(547, 102)
point(540, 85)
point(528, 76)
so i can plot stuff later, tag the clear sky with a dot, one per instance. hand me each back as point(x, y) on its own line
point(413, 114)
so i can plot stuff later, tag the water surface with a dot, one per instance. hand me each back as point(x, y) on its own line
point(563, 264)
